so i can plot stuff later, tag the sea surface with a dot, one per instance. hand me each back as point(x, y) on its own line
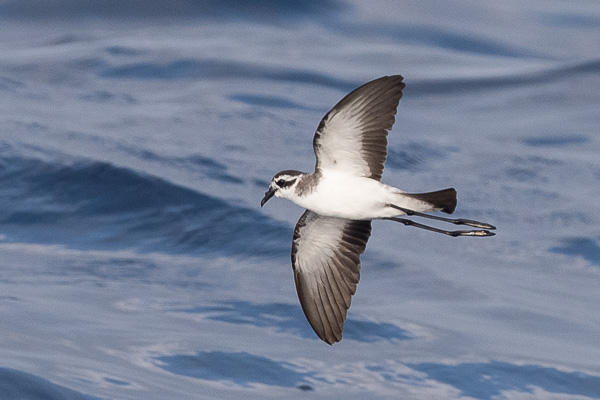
point(138, 137)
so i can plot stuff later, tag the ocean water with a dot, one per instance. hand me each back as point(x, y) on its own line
point(137, 139)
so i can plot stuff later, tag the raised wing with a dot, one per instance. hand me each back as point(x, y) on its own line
point(353, 135)
point(326, 261)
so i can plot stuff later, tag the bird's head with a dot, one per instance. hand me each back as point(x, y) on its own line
point(282, 185)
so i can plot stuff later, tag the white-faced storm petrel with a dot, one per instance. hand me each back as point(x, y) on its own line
point(341, 198)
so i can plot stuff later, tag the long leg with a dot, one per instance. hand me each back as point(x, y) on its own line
point(408, 222)
point(457, 221)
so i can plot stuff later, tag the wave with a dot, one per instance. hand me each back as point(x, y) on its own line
point(91, 204)
point(432, 36)
point(541, 76)
point(489, 380)
point(263, 10)
point(413, 155)
point(289, 318)
point(192, 68)
point(587, 248)
point(263, 101)
point(21, 385)
point(10, 85)
point(241, 368)
point(194, 163)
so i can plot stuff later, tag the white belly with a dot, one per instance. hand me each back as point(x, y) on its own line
point(342, 196)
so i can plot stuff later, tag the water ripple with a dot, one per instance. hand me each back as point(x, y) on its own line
point(94, 204)
point(263, 10)
point(21, 385)
point(240, 368)
point(487, 380)
point(289, 318)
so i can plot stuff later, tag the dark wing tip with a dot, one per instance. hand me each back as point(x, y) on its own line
point(396, 79)
point(331, 342)
point(392, 81)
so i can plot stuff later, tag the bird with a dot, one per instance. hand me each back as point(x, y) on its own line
point(341, 198)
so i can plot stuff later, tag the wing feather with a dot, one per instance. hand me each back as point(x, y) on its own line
point(325, 311)
point(353, 135)
point(336, 298)
point(326, 262)
point(339, 286)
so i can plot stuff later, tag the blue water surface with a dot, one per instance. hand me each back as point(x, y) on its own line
point(138, 137)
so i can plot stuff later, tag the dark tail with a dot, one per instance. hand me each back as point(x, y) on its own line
point(442, 200)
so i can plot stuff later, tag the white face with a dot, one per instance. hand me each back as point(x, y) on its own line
point(282, 185)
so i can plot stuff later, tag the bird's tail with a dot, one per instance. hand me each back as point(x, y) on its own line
point(441, 200)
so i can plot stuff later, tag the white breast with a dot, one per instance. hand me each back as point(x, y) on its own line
point(345, 196)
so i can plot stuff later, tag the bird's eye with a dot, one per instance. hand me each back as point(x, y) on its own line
point(280, 182)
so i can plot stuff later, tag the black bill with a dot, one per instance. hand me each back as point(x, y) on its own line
point(268, 194)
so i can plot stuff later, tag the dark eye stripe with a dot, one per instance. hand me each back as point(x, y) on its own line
point(283, 183)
